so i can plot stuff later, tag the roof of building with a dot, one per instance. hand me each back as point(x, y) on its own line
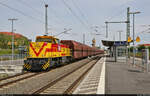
point(144, 44)
point(17, 35)
point(112, 43)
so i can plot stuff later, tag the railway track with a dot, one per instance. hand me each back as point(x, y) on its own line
point(5, 82)
point(29, 83)
point(16, 78)
point(12, 76)
point(66, 83)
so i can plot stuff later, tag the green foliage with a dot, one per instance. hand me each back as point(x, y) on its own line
point(139, 53)
point(141, 47)
point(131, 49)
point(5, 39)
point(8, 51)
point(149, 49)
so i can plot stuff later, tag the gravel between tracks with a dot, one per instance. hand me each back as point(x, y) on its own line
point(61, 86)
point(30, 85)
point(14, 78)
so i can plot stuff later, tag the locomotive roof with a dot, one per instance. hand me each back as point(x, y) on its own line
point(50, 37)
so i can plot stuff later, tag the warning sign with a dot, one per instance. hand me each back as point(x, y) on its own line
point(138, 39)
point(129, 39)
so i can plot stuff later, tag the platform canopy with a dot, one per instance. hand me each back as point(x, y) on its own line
point(114, 43)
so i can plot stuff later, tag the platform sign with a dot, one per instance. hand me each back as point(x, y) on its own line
point(120, 43)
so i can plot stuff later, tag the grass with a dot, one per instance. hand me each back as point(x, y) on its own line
point(7, 51)
point(4, 59)
point(139, 55)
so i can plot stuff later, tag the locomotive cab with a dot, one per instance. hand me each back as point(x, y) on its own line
point(48, 39)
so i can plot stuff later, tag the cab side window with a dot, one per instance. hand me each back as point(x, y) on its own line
point(57, 41)
point(53, 41)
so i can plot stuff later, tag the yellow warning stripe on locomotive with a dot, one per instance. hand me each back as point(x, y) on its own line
point(46, 65)
point(27, 66)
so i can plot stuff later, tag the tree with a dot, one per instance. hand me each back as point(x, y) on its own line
point(141, 47)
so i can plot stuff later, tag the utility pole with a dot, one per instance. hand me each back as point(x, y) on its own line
point(120, 35)
point(12, 23)
point(134, 36)
point(128, 32)
point(46, 20)
point(133, 43)
point(106, 29)
point(128, 24)
point(83, 38)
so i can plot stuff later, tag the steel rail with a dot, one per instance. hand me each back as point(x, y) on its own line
point(9, 77)
point(58, 79)
point(69, 90)
point(17, 80)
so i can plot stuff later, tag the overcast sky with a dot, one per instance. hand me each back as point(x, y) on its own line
point(80, 15)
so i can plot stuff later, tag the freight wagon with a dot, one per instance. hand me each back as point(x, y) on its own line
point(80, 50)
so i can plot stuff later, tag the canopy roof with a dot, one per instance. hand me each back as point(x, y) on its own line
point(113, 43)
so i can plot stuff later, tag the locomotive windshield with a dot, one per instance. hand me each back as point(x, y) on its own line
point(44, 40)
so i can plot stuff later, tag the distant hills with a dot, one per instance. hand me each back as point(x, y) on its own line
point(6, 39)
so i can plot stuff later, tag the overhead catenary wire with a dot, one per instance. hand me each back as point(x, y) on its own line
point(37, 11)
point(118, 13)
point(44, 2)
point(74, 14)
point(58, 19)
point(22, 13)
point(81, 12)
point(28, 5)
point(84, 16)
point(56, 16)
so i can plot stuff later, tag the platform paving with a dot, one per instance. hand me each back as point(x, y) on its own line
point(94, 81)
point(11, 66)
point(124, 78)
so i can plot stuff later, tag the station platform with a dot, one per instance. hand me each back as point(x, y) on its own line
point(11, 67)
point(125, 78)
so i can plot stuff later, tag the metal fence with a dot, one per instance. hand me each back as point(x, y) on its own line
point(9, 56)
point(141, 60)
point(7, 59)
point(17, 58)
